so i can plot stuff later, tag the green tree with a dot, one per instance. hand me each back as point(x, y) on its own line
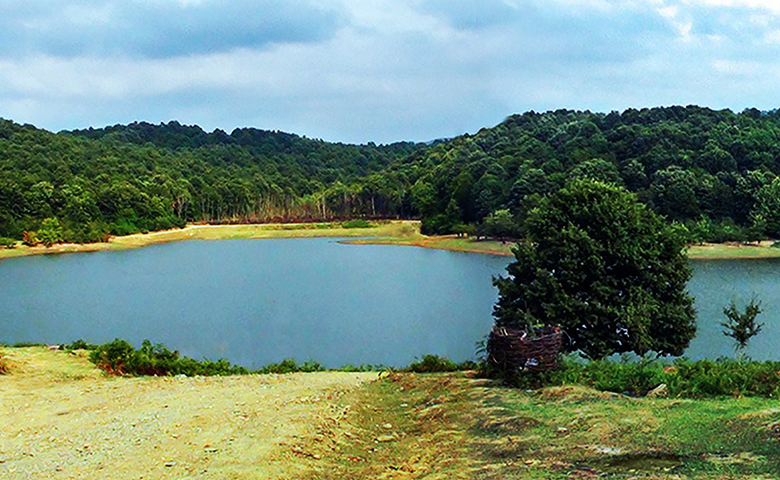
point(50, 232)
point(742, 326)
point(766, 209)
point(500, 224)
point(607, 269)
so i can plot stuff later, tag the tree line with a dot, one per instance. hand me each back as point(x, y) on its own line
point(84, 185)
point(713, 171)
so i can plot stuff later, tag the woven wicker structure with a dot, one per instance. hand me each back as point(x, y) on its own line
point(512, 350)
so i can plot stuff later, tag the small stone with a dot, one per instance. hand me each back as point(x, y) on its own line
point(387, 426)
point(385, 438)
point(170, 464)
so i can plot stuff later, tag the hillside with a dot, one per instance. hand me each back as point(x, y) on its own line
point(714, 171)
point(140, 177)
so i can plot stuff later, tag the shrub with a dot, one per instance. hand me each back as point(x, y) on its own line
point(436, 225)
point(289, 365)
point(363, 367)
point(120, 358)
point(435, 363)
point(50, 232)
point(30, 238)
point(3, 366)
point(78, 345)
point(357, 223)
point(6, 242)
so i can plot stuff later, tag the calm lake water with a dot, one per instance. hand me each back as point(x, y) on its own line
point(260, 301)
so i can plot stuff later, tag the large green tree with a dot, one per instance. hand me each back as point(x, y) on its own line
point(607, 269)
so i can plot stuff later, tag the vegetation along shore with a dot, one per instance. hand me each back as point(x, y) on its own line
point(332, 425)
point(712, 171)
point(387, 232)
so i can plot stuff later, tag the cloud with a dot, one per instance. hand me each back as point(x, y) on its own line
point(157, 28)
point(377, 70)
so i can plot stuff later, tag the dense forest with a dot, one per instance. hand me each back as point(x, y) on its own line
point(141, 177)
point(716, 172)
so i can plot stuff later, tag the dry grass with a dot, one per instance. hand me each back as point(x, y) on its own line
point(61, 418)
point(219, 232)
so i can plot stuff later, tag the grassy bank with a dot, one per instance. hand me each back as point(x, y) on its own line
point(726, 251)
point(413, 238)
point(402, 233)
point(334, 425)
point(395, 229)
point(707, 251)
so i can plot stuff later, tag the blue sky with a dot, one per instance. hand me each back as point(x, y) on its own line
point(377, 70)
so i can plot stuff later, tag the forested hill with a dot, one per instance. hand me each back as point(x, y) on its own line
point(715, 171)
point(142, 177)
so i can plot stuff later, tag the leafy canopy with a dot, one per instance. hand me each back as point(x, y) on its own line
point(607, 269)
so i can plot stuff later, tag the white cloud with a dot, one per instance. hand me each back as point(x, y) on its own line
point(417, 69)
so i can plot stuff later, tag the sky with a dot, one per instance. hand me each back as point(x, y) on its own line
point(377, 70)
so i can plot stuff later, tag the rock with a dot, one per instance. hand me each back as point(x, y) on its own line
point(658, 392)
point(170, 464)
point(385, 438)
point(387, 426)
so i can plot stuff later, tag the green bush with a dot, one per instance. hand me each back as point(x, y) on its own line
point(78, 345)
point(289, 365)
point(435, 363)
point(363, 367)
point(27, 344)
point(683, 378)
point(50, 232)
point(357, 223)
point(6, 242)
point(120, 358)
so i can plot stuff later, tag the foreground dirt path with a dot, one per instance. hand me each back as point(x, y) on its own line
point(61, 419)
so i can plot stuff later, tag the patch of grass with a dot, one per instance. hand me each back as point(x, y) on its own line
point(3, 365)
point(451, 426)
point(356, 223)
point(724, 251)
point(682, 378)
point(414, 238)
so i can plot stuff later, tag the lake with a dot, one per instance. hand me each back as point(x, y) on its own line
point(260, 301)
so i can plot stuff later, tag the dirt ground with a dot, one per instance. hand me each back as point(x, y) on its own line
point(62, 419)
